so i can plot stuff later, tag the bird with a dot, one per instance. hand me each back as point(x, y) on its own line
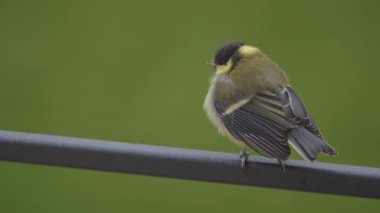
point(251, 102)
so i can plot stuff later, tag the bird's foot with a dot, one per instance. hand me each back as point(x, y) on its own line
point(282, 163)
point(243, 159)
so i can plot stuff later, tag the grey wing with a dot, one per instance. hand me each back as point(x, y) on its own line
point(269, 120)
point(306, 138)
point(295, 110)
point(261, 124)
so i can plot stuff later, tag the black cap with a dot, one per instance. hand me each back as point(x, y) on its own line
point(224, 53)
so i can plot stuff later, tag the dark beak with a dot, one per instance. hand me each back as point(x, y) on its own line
point(212, 63)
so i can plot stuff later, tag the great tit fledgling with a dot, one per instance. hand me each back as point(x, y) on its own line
point(252, 103)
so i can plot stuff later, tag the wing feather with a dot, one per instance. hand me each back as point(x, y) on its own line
point(263, 130)
point(267, 121)
point(295, 110)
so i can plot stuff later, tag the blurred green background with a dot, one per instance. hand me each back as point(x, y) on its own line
point(136, 71)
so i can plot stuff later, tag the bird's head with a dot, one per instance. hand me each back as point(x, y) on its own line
point(230, 55)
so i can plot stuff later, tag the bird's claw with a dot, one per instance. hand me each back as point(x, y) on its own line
point(282, 163)
point(243, 159)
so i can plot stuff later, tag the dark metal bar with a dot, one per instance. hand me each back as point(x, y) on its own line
point(188, 164)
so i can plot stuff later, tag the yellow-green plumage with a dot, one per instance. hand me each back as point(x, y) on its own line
point(251, 102)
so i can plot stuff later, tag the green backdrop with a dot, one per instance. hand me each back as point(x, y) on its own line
point(136, 71)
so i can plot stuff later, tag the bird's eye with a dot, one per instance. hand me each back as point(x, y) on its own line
point(226, 52)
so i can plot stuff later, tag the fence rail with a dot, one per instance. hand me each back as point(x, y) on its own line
point(188, 164)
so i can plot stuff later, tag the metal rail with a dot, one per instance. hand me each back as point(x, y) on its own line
point(188, 164)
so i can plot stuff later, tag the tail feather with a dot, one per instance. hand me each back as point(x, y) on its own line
point(309, 145)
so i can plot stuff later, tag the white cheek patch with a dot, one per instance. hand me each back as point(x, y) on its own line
point(221, 69)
